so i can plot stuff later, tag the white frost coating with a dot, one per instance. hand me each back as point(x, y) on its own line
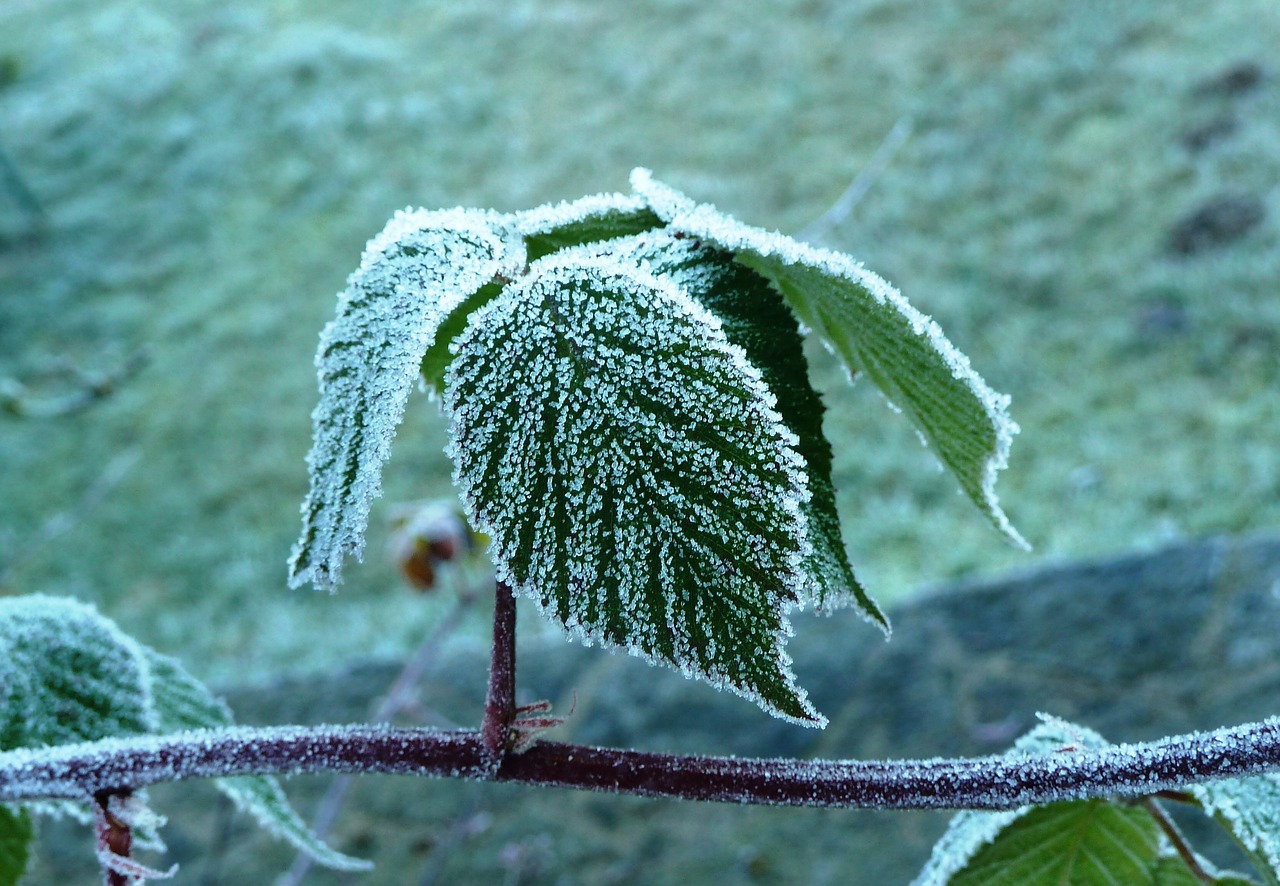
point(630, 467)
point(969, 831)
point(69, 674)
point(412, 275)
point(777, 256)
point(1251, 808)
point(543, 219)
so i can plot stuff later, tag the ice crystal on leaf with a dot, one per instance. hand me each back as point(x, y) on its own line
point(633, 473)
point(69, 675)
point(632, 421)
point(1250, 809)
point(755, 318)
point(874, 330)
point(1087, 842)
point(413, 275)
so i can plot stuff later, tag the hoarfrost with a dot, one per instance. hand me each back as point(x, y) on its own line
point(873, 329)
point(420, 268)
point(68, 675)
point(755, 317)
point(969, 831)
point(631, 468)
point(1250, 807)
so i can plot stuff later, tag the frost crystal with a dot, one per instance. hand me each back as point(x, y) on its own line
point(413, 275)
point(969, 831)
point(69, 675)
point(873, 329)
point(1250, 807)
point(633, 472)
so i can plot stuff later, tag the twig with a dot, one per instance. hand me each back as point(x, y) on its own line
point(15, 399)
point(822, 226)
point(64, 521)
point(1179, 842)
point(500, 701)
point(1139, 770)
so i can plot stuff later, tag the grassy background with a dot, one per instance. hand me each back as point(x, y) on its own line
point(209, 172)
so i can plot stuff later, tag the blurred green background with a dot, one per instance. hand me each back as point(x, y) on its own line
point(1087, 202)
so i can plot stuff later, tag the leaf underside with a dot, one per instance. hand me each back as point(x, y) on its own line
point(67, 675)
point(875, 331)
point(413, 275)
point(629, 466)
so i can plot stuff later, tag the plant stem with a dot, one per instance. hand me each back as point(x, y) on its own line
point(500, 701)
point(79, 771)
point(1179, 842)
point(115, 838)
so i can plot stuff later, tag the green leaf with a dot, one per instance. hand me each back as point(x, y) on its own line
point(413, 275)
point(874, 330)
point(1250, 809)
point(756, 319)
point(1082, 843)
point(16, 834)
point(547, 229)
point(67, 674)
point(1171, 870)
point(630, 468)
point(181, 702)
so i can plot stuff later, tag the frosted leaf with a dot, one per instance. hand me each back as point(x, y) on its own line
point(873, 329)
point(969, 832)
point(15, 844)
point(630, 467)
point(755, 318)
point(600, 217)
point(1250, 809)
point(412, 276)
point(69, 675)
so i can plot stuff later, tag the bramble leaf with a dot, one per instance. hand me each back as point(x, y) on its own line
point(873, 329)
point(631, 469)
point(547, 229)
point(1250, 809)
point(1080, 842)
point(412, 276)
point(67, 675)
point(15, 844)
point(756, 319)
point(1087, 842)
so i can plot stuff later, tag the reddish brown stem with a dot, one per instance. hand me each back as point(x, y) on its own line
point(500, 702)
point(1140, 770)
point(114, 836)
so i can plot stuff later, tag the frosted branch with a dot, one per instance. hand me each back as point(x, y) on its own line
point(82, 770)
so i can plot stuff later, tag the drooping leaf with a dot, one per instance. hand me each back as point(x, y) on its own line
point(1250, 809)
point(15, 844)
point(67, 674)
point(874, 330)
point(631, 469)
point(412, 276)
point(756, 319)
point(588, 220)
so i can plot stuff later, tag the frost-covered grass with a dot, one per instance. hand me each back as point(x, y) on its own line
point(211, 171)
